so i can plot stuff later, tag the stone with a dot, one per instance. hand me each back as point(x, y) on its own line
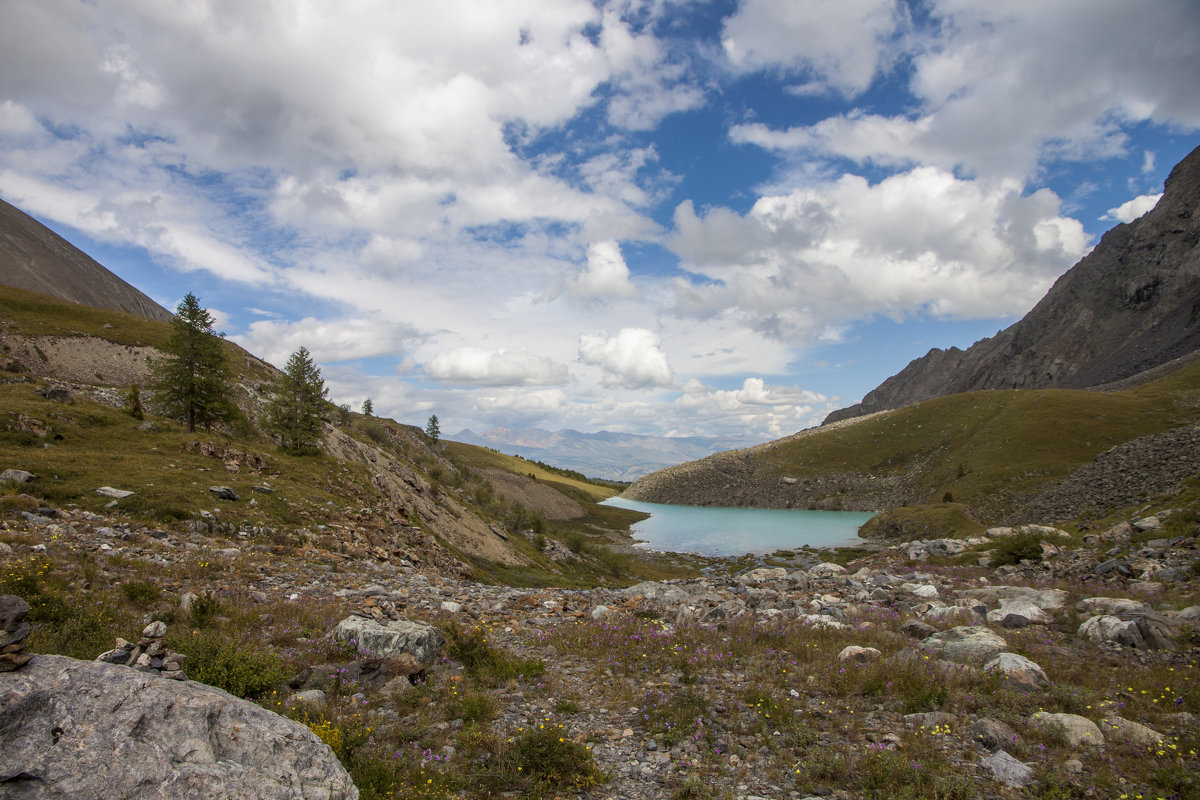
point(155, 630)
point(1118, 729)
point(992, 734)
point(966, 643)
point(12, 612)
point(1107, 628)
point(762, 575)
point(451, 607)
point(117, 494)
point(1018, 671)
point(392, 638)
point(827, 568)
point(1147, 524)
point(1074, 729)
point(16, 476)
point(1008, 770)
point(85, 729)
point(859, 655)
point(917, 629)
point(1021, 606)
point(187, 600)
point(1112, 606)
point(223, 492)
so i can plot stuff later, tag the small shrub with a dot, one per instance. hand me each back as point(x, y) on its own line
point(204, 608)
point(242, 668)
point(484, 662)
point(141, 594)
point(546, 760)
point(1016, 548)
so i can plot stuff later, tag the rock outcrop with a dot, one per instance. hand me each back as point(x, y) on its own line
point(1129, 306)
point(73, 729)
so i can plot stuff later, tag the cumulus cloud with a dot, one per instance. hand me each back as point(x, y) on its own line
point(1003, 86)
point(605, 276)
point(480, 367)
point(631, 359)
point(841, 43)
point(329, 340)
point(1132, 209)
point(769, 410)
point(918, 242)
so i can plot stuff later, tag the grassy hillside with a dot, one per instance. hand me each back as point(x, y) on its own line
point(332, 502)
point(987, 452)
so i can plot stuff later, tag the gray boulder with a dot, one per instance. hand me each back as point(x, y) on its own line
point(1018, 671)
point(74, 729)
point(392, 639)
point(971, 644)
point(1008, 770)
point(1119, 729)
point(1074, 729)
point(16, 476)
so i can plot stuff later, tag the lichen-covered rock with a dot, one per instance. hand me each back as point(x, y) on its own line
point(971, 644)
point(391, 639)
point(1018, 671)
point(1074, 729)
point(73, 729)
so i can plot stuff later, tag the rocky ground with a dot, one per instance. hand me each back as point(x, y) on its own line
point(900, 675)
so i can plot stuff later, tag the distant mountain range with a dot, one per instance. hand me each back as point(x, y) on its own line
point(1129, 306)
point(604, 454)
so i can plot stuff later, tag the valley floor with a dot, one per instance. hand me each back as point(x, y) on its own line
point(747, 686)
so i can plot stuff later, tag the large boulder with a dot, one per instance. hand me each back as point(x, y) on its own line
point(968, 643)
point(391, 639)
point(1074, 729)
point(1018, 671)
point(74, 729)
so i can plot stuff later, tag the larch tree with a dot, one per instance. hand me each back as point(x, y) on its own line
point(192, 382)
point(368, 408)
point(297, 412)
point(433, 429)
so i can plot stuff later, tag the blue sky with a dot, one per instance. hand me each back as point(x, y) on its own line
point(650, 216)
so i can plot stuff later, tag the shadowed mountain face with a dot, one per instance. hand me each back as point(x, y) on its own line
point(1130, 305)
point(35, 258)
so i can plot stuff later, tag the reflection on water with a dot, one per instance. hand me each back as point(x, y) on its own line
point(714, 531)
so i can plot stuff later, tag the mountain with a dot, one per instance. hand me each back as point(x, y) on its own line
point(1130, 305)
point(35, 258)
point(603, 454)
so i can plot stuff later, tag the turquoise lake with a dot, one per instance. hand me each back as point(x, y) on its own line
point(712, 531)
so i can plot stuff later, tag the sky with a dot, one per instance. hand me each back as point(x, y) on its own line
point(664, 217)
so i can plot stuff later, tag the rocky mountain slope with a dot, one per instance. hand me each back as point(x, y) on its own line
point(37, 259)
point(1132, 304)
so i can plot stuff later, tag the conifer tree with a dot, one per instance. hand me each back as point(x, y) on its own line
point(297, 413)
point(192, 382)
point(368, 408)
point(433, 429)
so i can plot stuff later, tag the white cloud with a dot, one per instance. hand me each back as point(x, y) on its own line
point(631, 359)
point(1132, 209)
point(605, 275)
point(17, 119)
point(1003, 86)
point(532, 404)
point(768, 410)
point(480, 367)
point(841, 42)
point(328, 340)
point(918, 242)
